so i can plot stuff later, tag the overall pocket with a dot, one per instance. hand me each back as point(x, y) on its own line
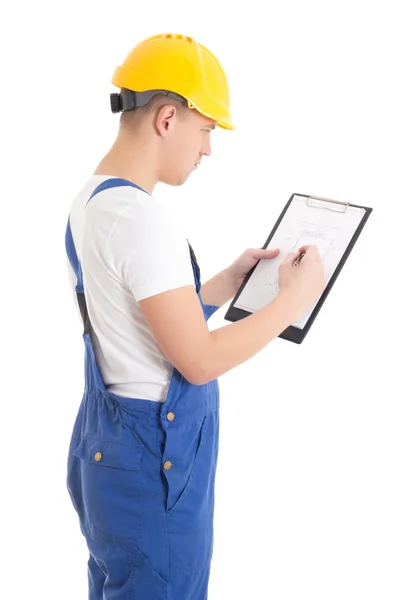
point(104, 483)
point(190, 517)
point(184, 477)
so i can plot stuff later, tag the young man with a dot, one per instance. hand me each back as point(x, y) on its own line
point(144, 446)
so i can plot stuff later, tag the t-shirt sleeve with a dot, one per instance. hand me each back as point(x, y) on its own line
point(149, 252)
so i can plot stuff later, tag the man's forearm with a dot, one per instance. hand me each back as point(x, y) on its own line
point(219, 289)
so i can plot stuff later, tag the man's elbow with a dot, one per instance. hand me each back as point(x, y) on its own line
point(198, 374)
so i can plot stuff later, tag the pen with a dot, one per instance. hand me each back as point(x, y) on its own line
point(298, 259)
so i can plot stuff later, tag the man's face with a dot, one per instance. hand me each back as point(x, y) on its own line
point(187, 141)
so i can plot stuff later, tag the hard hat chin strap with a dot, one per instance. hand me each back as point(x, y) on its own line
point(128, 100)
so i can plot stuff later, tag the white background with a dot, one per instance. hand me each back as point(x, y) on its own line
point(308, 490)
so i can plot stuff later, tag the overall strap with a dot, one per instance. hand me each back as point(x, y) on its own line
point(115, 182)
point(76, 265)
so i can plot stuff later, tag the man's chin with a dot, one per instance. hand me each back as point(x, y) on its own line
point(175, 181)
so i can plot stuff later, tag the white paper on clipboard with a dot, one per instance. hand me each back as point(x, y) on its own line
point(318, 223)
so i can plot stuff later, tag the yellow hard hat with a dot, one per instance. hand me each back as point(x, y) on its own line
point(177, 66)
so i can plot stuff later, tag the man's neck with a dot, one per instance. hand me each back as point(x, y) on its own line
point(128, 162)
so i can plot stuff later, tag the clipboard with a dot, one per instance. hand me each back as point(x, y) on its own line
point(327, 217)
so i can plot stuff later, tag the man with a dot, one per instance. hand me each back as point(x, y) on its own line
point(144, 447)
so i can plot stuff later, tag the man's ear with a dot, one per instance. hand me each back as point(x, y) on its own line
point(165, 119)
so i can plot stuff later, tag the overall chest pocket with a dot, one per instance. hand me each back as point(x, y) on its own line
point(105, 485)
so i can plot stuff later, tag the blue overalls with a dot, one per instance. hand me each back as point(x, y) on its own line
point(141, 477)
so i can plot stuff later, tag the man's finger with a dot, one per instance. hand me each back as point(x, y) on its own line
point(312, 249)
point(271, 253)
point(290, 258)
point(310, 253)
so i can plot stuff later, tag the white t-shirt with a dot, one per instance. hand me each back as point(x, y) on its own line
point(130, 247)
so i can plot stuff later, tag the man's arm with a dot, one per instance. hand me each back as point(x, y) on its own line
point(219, 289)
point(177, 323)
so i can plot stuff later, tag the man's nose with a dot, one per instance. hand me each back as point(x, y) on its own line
point(206, 150)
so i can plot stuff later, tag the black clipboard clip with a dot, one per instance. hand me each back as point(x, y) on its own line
point(335, 205)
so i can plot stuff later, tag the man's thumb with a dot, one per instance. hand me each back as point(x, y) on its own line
point(268, 253)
